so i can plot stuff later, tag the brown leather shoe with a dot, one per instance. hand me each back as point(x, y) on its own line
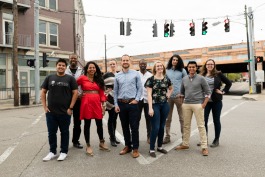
point(205, 152)
point(181, 147)
point(125, 150)
point(166, 140)
point(135, 153)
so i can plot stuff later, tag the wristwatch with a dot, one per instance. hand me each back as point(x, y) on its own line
point(71, 108)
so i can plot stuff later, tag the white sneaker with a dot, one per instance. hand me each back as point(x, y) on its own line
point(49, 157)
point(62, 156)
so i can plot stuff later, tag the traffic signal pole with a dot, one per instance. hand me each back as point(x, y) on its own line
point(36, 46)
point(251, 51)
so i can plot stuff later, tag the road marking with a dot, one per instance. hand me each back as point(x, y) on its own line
point(9, 150)
point(148, 160)
point(37, 120)
point(7, 153)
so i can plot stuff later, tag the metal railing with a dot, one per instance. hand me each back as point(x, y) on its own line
point(20, 2)
point(26, 2)
point(24, 40)
point(8, 93)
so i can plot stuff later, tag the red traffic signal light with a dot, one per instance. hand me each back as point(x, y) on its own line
point(192, 29)
point(259, 59)
point(227, 25)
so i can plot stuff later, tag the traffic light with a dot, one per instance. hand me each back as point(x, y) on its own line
point(172, 29)
point(192, 29)
point(227, 25)
point(166, 30)
point(128, 28)
point(44, 60)
point(122, 28)
point(258, 59)
point(204, 28)
point(31, 63)
point(155, 29)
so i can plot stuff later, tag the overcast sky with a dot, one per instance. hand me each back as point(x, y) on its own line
point(104, 16)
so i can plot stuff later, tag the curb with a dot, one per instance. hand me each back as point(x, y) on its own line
point(10, 107)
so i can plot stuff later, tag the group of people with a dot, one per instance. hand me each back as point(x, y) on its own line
point(86, 94)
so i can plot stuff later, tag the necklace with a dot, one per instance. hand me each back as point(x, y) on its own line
point(90, 79)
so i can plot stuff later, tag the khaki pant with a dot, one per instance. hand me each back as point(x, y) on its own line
point(188, 110)
point(174, 101)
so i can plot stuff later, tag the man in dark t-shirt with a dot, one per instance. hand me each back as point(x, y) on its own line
point(62, 95)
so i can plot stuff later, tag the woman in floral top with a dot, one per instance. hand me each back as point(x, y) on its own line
point(159, 89)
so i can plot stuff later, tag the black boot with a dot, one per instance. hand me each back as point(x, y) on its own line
point(215, 143)
point(117, 142)
point(113, 142)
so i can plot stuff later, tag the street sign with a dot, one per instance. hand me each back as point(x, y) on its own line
point(247, 60)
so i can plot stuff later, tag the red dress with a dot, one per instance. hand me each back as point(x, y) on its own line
point(91, 102)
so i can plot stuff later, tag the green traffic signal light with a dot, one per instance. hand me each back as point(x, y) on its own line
point(166, 30)
point(204, 28)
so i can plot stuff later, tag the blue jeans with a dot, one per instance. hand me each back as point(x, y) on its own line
point(216, 108)
point(53, 122)
point(129, 119)
point(158, 122)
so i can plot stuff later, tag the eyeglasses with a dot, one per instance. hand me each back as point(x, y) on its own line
point(209, 64)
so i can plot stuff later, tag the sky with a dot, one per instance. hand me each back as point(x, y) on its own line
point(103, 18)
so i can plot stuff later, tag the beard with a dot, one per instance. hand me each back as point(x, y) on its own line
point(73, 64)
point(125, 66)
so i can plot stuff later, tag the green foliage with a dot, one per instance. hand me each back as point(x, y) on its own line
point(234, 76)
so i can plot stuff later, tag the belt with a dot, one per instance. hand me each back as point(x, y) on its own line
point(90, 91)
point(126, 100)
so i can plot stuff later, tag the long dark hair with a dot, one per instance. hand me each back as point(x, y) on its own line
point(180, 64)
point(97, 76)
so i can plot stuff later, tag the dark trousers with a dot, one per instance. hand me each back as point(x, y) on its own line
point(53, 122)
point(158, 122)
point(87, 130)
point(129, 119)
point(144, 106)
point(112, 122)
point(216, 108)
point(77, 122)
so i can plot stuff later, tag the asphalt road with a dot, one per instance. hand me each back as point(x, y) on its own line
point(24, 142)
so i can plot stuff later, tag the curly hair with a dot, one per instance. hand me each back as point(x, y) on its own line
point(203, 69)
point(97, 76)
point(180, 64)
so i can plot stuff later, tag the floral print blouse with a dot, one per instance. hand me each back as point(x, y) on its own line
point(159, 87)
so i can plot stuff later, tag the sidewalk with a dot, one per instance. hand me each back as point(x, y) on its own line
point(9, 104)
point(255, 97)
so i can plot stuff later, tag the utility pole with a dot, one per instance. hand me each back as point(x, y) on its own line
point(251, 51)
point(36, 46)
point(105, 53)
point(15, 58)
point(246, 17)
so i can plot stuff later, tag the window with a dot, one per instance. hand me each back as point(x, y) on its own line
point(49, 4)
point(2, 78)
point(48, 33)
point(8, 31)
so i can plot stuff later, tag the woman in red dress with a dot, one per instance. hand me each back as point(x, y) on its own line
point(92, 103)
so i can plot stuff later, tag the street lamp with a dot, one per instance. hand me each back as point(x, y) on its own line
point(106, 49)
